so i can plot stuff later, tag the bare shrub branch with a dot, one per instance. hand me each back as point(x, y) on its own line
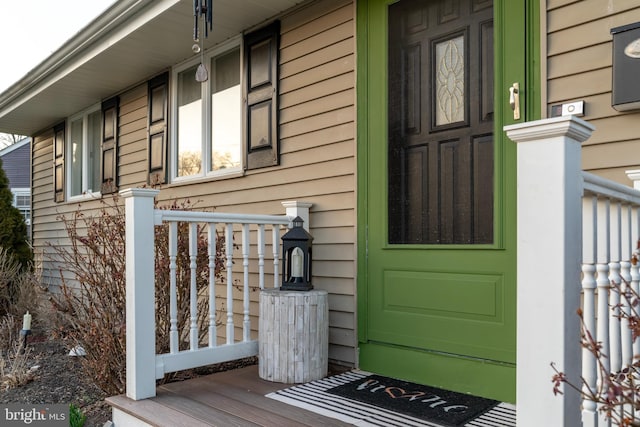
point(617, 393)
point(91, 303)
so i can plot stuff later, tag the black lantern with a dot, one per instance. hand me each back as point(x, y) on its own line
point(296, 258)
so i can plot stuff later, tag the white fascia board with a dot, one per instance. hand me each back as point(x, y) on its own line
point(113, 25)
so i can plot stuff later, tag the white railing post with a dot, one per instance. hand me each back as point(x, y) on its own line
point(293, 208)
point(549, 218)
point(140, 289)
point(634, 175)
point(301, 209)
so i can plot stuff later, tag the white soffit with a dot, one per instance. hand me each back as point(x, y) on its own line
point(132, 41)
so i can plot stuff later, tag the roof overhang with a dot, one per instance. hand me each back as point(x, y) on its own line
point(130, 42)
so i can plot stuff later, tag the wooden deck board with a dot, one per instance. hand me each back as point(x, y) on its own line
point(245, 387)
point(232, 398)
point(202, 411)
point(239, 404)
point(154, 413)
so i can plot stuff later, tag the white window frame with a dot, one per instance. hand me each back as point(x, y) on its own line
point(17, 192)
point(87, 193)
point(206, 170)
point(24, 210)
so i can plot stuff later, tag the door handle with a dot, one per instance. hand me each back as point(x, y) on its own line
point(514, 100)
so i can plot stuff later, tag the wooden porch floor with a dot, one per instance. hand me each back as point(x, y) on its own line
point(232, 398)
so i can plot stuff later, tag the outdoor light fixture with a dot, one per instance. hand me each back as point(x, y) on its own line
point(202, 9)
point(296, 258)
point(26, 329)
point(625, 94)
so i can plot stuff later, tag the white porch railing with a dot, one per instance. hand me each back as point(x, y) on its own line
point(576, 236)
point(144, 366)
point(611, 225)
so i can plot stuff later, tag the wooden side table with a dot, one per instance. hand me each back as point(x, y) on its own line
point(293, 335)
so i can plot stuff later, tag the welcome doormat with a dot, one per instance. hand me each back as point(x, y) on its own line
point(429, 403)
point(338, 397)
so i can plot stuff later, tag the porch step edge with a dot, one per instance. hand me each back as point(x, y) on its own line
point(148, 413)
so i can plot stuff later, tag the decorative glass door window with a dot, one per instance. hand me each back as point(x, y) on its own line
point(449, 76)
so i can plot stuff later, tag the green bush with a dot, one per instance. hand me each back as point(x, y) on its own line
point(13, 229)
point(13, 235)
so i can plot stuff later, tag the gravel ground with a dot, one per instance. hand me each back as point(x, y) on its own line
point(59, 379)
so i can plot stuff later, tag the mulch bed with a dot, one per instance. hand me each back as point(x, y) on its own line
point(61, 379)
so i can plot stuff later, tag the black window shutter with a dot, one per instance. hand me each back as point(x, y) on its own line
point(58, 162)
point(158, 92)
point(109, 177)
point(260, 94)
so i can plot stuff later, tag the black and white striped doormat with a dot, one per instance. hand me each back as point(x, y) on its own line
point(313, 396)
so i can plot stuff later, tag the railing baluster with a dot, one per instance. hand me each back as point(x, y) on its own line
point(228, 235)
point(625, 273)
point(173, 292)
point(246, 324)
point(625, 308)
point(275, 234)
point(603, 286)
point(193, 294)
point(635, 268)
point(615, 354)
point(634, 282)
point(213, 249)
point(261, 256)
point(589, 373)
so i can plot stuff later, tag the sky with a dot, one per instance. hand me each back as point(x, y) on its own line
point(31, 30)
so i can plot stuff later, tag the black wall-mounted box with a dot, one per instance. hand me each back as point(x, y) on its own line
point(626, 67)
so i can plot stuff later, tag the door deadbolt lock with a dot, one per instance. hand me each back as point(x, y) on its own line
point(514, 100)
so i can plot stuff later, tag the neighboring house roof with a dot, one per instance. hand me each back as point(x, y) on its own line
point(15, 162)
point(127, 44)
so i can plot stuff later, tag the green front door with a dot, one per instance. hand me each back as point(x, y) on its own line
point(437, 191)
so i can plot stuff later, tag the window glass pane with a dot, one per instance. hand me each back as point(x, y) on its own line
point(93, 149)
point(226, 111)
point(23, 200)
point(75, 175)
point(226, 70)
point(189, 124)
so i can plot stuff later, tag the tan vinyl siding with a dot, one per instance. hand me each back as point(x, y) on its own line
point(132, 153)
point(317, 162)
point(42, 197)
point(579, 67)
